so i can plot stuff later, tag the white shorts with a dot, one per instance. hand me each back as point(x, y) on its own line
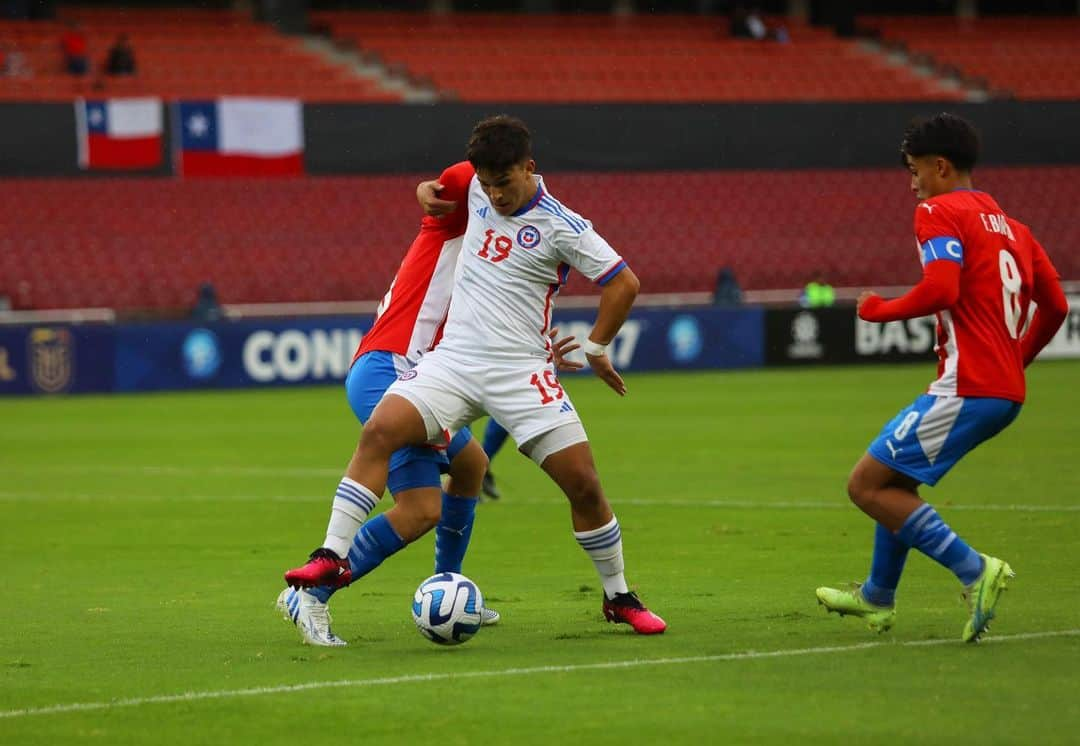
point(527, 399)
point(553, 441)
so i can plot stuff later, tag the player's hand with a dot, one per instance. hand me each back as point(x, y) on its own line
point(560, 348)
point(864, 302)
point(427, 194)
point(605, 371)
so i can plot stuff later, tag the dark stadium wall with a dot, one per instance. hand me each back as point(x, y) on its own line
point(287, 16)
point(1026, 7)
point(373, 139)
point(39, 139)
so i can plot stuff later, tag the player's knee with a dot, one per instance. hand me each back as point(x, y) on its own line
point(471, 462)
point(426, 516)
point(859, 491)
point(417, 512)
point(582, 486)
point(379, 437)
point(467, 471)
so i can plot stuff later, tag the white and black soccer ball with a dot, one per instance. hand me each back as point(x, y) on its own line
point(447, 608)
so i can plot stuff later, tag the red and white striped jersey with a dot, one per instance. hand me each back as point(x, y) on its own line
point(410, 318)
point(979, 336)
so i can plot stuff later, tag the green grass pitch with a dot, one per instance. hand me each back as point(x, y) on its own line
point(144, 539)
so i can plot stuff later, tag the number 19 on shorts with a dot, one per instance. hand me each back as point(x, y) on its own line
point(548, 385)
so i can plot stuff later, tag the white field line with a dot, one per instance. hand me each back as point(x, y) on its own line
point(499, 673)
point(180, 471)
point(838, 504)
point(277, 471)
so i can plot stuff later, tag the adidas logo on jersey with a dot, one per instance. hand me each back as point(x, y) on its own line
point(566, 407)
point(483, 211)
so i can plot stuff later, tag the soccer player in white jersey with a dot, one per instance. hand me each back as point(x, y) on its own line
point(408, 323)
point(495, 355)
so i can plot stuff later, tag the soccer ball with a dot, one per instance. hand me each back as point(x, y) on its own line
point(447, 608)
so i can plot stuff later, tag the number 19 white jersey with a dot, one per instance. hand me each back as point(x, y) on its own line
point(511, 269)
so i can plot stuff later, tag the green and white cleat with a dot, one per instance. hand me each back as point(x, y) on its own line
point(850, 601)
point(982, 596)
point(489, 617)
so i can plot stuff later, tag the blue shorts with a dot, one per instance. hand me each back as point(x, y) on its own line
point(926, 439)
point(413, 466)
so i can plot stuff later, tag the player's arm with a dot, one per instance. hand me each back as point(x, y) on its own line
point(1052, 304)
point(585, 250)
point(444, 196)
point(616, 300)
point(942, 255)
point(943, 258)
point(938, 289)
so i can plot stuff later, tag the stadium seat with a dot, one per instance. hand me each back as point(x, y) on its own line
point(1028, 57)
point(148, 243)
point(643, 58)
point(181, 53)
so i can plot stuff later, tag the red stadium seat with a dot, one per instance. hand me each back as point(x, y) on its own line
point(148, 243)
point(1030, 57)
point(181, 53)
point(646, 58)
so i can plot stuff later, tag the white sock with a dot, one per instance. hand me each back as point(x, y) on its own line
point(604, 547)
point(352, 503)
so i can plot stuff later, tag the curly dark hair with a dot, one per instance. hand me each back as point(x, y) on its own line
point(946, 135)
point(498, 143)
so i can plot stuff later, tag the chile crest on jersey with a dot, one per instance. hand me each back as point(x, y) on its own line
point(528, 237)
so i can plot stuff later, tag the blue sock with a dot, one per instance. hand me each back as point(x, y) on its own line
point(453, 531)
point(375, 541)
point(494, 437)
point(924, 530)
point(889, 556)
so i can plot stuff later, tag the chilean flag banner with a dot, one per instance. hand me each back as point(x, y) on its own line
point(234, 136)
point(119, 133)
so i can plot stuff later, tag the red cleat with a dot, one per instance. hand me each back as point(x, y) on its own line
point(324, 568)
point(626, 608)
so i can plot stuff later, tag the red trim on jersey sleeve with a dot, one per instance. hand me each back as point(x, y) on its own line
point(939, 289)
point(1052, 309)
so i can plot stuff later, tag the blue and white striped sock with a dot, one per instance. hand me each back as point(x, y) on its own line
point(374, 542)
point(924, 530)
point(604, 547)
point(352, 503)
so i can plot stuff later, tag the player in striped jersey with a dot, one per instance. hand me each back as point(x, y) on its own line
point(983, 273)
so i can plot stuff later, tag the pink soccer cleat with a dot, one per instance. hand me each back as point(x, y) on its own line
point(324, 568)
point(626, 608)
